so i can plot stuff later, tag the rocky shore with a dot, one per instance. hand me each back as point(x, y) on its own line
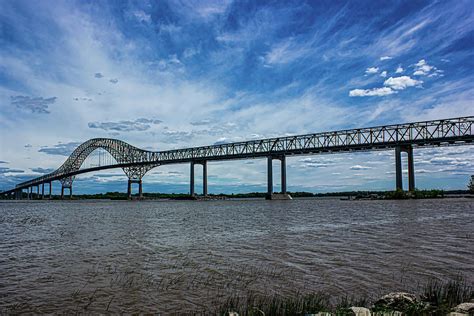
point(392, 304)
point(454, 298)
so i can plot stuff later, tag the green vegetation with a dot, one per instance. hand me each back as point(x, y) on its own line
point(470, 186)
point(435, 298)
point(417, 194)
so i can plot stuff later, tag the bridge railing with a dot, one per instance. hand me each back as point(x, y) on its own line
point(420, 132)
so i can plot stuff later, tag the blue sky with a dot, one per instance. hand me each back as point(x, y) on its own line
point(174, 74)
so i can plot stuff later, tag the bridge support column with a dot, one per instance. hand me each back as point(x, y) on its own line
point(50, 189)
point(191, 180)
point(411, 169)
point(192, 191)
point(42, 190)
point(70, 192)
point(269, 178)
point(135, 175)
point(283, 174)
point(140, 189)
point(66, 183)
point(30, 193)
point(284, 194)
point(398, 167)
point(204, 178)
point(129, 188)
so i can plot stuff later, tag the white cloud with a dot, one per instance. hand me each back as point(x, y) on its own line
point(359, 167)
point(422, 68)
point(383, 74)
point(385, 58)
point(391, 86)
point(400, 83)
point(399, 70)
point(371, 70)
point(376, 92)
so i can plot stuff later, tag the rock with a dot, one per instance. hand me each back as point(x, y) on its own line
point(233, 314)
point(457, 314)
point(467, 308)
point(398, 301)
point(361, 311)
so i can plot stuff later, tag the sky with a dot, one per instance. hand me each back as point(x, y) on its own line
point(174, 74)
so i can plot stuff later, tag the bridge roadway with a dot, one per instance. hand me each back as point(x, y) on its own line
point(136, 162)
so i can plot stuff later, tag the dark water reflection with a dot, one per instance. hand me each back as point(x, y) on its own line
point(168, 256)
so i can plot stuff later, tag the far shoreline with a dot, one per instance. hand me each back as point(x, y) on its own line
point(346, 196)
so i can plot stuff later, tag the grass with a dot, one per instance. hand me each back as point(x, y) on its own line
point(434, 298)
point(441, 297)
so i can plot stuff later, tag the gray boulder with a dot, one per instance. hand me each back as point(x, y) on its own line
point(360, 311)
point(466, 308)
point(398, 301)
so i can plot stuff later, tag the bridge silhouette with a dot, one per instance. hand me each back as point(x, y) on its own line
point(136, 162)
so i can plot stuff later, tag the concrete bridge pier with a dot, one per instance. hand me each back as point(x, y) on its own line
point(129, 188)
point(135, 175)
point(62, 191)
point(30, 193)
point(276, 196)
point(50, 189)
point(204, 177)
point(42, 190)
point(398, 167)
point(66, 183)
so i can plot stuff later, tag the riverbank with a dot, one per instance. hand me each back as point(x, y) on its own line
point(348, 195)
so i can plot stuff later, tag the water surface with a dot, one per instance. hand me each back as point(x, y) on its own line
point(163, 256)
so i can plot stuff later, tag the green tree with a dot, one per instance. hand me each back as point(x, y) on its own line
point(470, 186)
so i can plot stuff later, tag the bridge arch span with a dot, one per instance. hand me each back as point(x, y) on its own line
point(121, 151)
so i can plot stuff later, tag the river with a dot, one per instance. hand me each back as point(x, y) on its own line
point(168, 256)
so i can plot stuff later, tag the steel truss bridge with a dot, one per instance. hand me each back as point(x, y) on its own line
point(136, 162)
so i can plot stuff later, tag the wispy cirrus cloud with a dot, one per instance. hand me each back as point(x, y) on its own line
point(141, 124)
point(33, 104)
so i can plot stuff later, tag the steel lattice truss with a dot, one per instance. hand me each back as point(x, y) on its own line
point(136, 162)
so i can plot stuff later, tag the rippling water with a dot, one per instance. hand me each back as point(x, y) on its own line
point(158, 256)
